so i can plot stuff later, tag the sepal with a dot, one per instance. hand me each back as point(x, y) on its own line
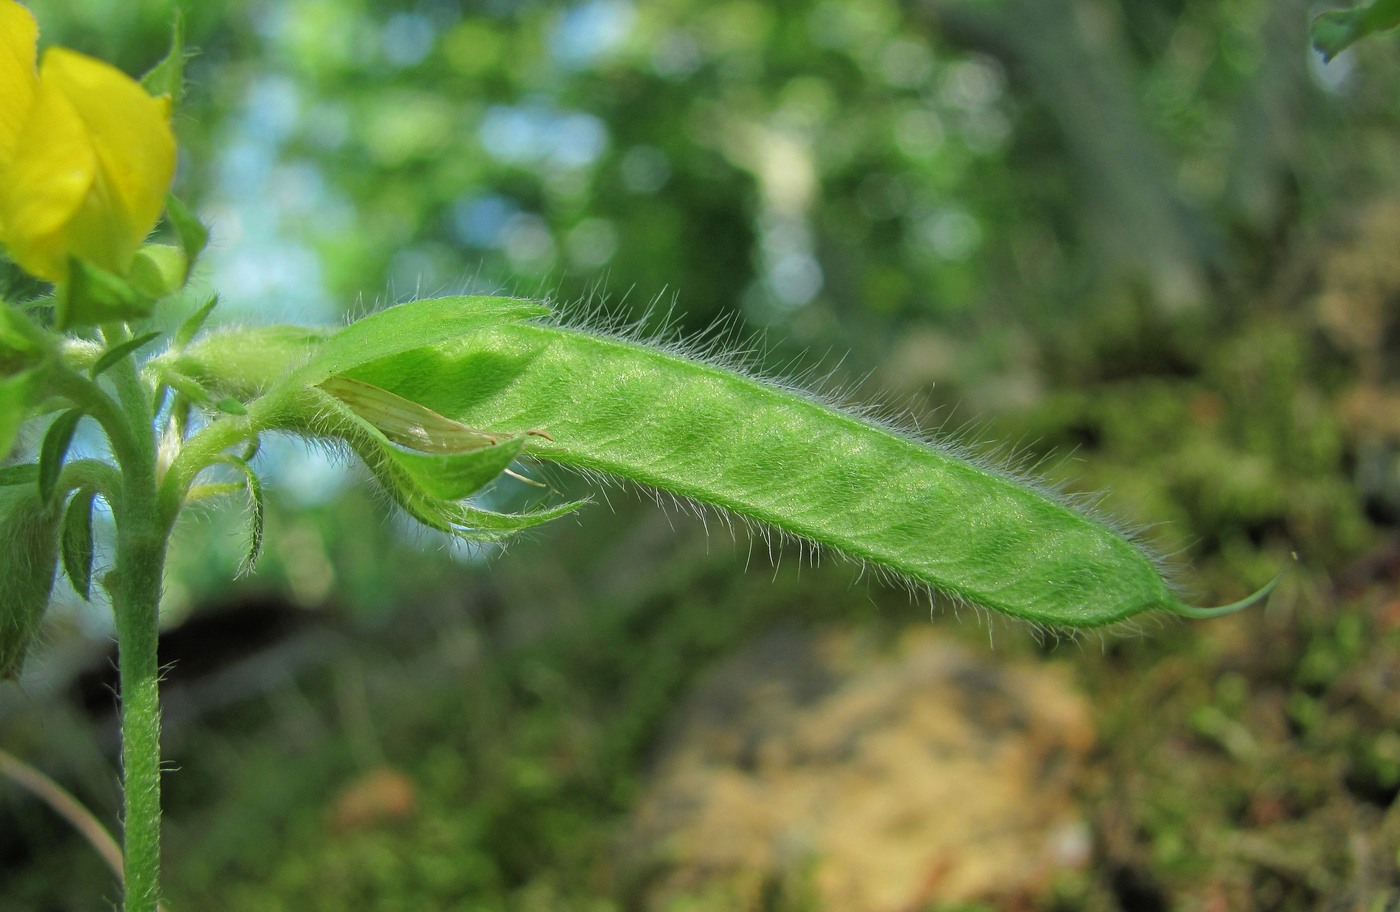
point(168, 76)
point(93, 295)
point(159, 270)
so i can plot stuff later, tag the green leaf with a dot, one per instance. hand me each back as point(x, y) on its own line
point(112, 355)
point(259, 510)
point(1337, 30)
point(789, 462)
point(54, 450)
point(194, 323)
point(194, 237)
point(28, 562)
point(168, 76)
point(76, 540)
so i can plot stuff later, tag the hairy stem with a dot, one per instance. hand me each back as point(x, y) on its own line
point(143, 532)
point(135, 591)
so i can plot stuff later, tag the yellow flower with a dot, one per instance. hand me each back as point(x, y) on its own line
point(86, 156)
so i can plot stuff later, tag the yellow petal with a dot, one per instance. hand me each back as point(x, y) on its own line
point(46, 186)
point(131, 135)
point(19, 34)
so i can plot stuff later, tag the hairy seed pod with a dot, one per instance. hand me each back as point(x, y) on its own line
point(790, 462)
point(408, 388)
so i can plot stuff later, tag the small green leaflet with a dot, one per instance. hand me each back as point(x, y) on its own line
point(194, 237)
point(194, 323)
point(259, 508)
point(168, 76)
point(75, 540)
point(54, 450)
point(112, 355)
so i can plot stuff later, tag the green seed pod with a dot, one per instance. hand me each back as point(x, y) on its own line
point(407, 389)
point(792, 463)
point(28, 560)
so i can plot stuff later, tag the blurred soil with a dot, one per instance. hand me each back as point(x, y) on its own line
point(875, 778)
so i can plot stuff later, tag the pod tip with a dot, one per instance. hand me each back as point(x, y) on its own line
point(1259, 595)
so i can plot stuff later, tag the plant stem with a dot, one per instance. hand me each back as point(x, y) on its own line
point(143, 533)
point(141, 545)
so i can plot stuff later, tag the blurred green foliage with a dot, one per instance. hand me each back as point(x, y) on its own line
point(1158, 235)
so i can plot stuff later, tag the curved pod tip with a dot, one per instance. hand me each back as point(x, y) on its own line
point(1259, 595)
